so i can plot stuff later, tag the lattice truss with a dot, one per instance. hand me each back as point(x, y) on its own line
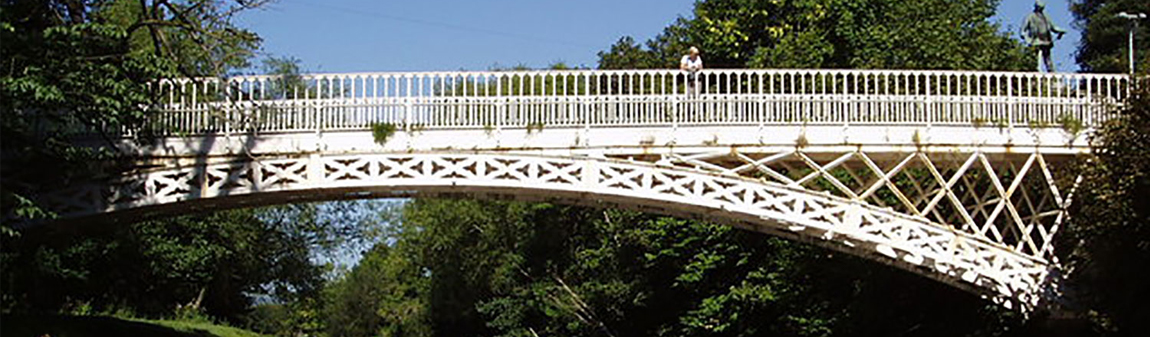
point(974, 221)
point(1010, 199)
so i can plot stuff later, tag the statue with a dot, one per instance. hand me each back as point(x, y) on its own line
point(1036, 31)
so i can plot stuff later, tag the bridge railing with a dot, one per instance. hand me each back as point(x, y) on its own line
point(587, 98)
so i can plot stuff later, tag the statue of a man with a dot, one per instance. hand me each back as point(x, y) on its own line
point(1037, 32)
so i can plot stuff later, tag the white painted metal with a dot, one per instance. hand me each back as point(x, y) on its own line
point(624, 140)
point(915, 243)
point(595, 98)
point(934, 171)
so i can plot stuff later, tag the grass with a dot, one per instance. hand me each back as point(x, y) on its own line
point(84, 326)
point(201, 327)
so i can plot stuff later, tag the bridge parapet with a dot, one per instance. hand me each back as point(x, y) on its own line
point(599, 98)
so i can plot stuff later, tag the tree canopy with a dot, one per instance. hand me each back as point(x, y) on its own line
point(76, 69)
point(860, 34)
point(217, 264)
point(459, 267)
point(1107, 240)
point(1104, 46)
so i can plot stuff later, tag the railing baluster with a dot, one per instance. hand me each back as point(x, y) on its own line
point(562, 98)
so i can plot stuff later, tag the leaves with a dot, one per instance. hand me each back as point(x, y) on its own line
point(868, 34)
point(1104, 47)
point(462, 267)
point(230, 258)
point(79, 72)
point(1107, 240)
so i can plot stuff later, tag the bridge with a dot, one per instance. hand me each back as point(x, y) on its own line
point(960, 176)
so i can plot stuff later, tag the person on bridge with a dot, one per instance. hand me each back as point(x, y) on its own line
point(692, 63)
point(1036, 32)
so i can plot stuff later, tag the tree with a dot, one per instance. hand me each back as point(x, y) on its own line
point(214, 263)
point(626, 54)
point(383, 295)
point(870, 34)
point(1104, 46)
point(459, 267)
point(75, 69)
point(1108, 238)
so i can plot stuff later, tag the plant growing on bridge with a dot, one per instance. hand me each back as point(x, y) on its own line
point(978, 122)
point(415, 128)
point(1037, 124)
point(1000, 123)
point(536, 126)
point(381, 132)
point(801, 141)
point(1072, 125)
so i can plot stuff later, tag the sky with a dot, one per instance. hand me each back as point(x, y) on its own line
point(441, 35)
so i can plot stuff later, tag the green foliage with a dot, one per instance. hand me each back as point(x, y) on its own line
point(1037, 124)
point(513, 269)
point(1107, 241)
point(416, 128)
point(1001, 123)
point(1104, 46)
point(534, 127)
point(298, 317)
point(1071, 124)
point(197, 328)
point(381, 296)
point(80, 70)
point(83, 326)
point(876, 34)
point(979, 122)
point(381, 132)
point(202, 264)
point(801, 141)
point(289, 80)
point(626, 54)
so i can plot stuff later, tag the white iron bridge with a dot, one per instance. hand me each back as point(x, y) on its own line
point(961, 176)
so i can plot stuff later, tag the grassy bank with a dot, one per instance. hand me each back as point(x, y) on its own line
point(84, 326)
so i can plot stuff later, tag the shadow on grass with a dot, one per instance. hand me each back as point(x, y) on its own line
point(84, 326)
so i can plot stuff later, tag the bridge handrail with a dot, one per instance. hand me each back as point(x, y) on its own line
point(485, 99)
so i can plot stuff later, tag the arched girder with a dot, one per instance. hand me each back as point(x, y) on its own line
point(914, 243)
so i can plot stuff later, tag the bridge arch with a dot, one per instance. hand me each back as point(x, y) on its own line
point(941, 252)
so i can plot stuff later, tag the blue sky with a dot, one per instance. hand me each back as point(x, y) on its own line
point(429, 35)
